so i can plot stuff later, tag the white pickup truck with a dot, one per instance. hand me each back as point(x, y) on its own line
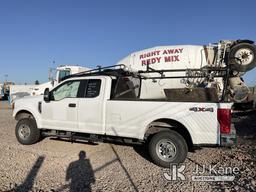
point(106, 106)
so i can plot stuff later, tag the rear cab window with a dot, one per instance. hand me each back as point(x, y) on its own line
point(93, 88)
point(126, 87)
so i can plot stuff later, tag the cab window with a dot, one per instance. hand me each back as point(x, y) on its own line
point(66, 90)
point(93, 88)
point(62, 74)
point(127, 88)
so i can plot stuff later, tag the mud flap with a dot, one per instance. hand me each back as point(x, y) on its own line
point(228, 140)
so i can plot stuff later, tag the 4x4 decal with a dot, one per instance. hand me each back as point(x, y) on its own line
point(201, 109)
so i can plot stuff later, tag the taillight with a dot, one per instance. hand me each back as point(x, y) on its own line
point(224, 118)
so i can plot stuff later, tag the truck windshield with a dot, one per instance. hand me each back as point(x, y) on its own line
point(63, 73)
point(127, 87)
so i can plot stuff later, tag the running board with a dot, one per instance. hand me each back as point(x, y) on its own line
point(72, 136)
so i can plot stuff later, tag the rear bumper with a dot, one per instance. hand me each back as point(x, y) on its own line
point(228, 140)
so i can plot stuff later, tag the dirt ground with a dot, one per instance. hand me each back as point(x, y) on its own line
point(56, 165)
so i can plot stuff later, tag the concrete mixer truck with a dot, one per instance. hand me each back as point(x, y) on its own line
point(199, 68)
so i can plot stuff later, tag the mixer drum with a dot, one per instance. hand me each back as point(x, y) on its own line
point(242, 57)
point(240, 91)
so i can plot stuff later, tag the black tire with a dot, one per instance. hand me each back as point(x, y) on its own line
point(30, 126)
point(235, 63)
point(176, 140)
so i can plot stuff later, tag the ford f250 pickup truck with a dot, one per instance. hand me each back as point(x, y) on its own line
point(106, 106)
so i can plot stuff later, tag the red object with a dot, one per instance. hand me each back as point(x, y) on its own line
point(224, 118)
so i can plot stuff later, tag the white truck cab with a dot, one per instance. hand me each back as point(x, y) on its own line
point(106, 106)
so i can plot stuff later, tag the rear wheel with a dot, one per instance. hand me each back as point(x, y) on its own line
point(167, 147)
point(27, 132)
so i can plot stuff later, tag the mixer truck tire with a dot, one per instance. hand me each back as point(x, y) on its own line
point(242, 57)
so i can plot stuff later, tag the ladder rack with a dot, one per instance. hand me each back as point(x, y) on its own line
point(122, 70)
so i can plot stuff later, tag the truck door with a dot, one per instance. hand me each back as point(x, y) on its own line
point(91, 108)
point(61, 112)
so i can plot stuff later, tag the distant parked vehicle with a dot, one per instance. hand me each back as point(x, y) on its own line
point(1, 91)
point(55, 76)
point(5, 90)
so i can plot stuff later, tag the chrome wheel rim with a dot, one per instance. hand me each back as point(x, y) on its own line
point(24, 131)
point(244, 56)
point(166, 150)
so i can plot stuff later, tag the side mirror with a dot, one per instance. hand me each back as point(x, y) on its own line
point(47, 95)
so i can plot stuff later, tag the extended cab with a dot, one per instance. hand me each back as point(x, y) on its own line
point(106, 106)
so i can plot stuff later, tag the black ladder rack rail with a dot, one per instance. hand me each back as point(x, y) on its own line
point(122, 70)
point(114, 70)
point(222, 73)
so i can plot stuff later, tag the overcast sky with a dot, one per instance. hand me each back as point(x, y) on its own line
point(34, 33)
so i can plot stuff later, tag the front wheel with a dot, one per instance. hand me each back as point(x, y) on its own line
point(168, 147)
point(27, 132)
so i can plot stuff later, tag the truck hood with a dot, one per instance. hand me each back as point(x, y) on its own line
point(31, 98)
point(27, 101)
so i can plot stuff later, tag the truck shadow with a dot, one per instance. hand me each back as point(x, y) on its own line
point(73, 141)
point(245, 124)
point(142, 150)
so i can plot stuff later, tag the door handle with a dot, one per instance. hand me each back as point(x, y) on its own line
point(72, 105)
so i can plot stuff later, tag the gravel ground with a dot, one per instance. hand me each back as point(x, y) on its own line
point(55, 165)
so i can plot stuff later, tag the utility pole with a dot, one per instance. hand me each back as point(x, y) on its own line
point(51, 71)
point(6, 77)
